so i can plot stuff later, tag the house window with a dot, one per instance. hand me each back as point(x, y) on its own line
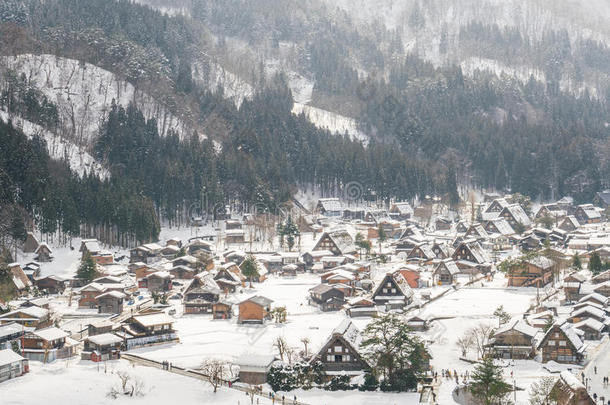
point(389, 284)
point(329, 358)
point(393, 290)
point(346, 358)
point(551, 343)
point(562, 343)
point(338, 349)
point(330, 350)
point(385, 290)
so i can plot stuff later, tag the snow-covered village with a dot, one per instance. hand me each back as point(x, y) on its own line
point(305, 202)
point(321, 307)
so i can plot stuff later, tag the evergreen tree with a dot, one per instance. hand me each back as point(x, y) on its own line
point(249, 268)
point(394, 353)
point(487, 384)
point(576, 263)
point(290, 231)
point(595, 263)
point(87, 270)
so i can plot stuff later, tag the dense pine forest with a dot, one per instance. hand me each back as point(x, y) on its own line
point(427, 124)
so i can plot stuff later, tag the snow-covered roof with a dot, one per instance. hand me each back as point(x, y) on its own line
point(518, 325)
point(34, 312)
point(591, 323)
point(254, 361)
point(153, 319)
point(10, 329)
point(404, 208)
point(50, 334)
point(330, 204)
point(450, 265)
point(590, 211)
point(260, 300)
point(113, 294)
point(502, 226)
point(541, 262)
point(596, 297)
point(518, 213)
point(105, 339)
point(8, 356)
point(92, 245)
point(349, 331)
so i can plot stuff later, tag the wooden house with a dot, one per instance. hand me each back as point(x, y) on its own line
point(562, 344)
point(595, 298)
point(476, 231)
point(587, 312)
point(339, 242)
point(329, 207)
point(327, 297)
point(442, 223)
point(31, 316)
point(102, 347)
point(422, 252)
point(569, 224)
point(445, 272)
point(360, 306)
point(222, 310)
point(88, 295)
point(535, 272)
point(393, 291)
point(31, 270)
point(43, 253)
point(418, 323)
point(591, 329)
point(602, 289)
point(148, 253)
point(159, 281)
point(253, 368)
point(12, 365)
point(200, 295)
point(228, 279)
point(182, 272)
point(498, 226)
point(10, 334)
point(48, 344)
point(514, 340)
point(401, 211)
point(147, 329)
point(412, 275)
point(441, 250)
point(588, 214)
point(313, 257)
point(91, 246)
point(255, 309)
point(470, 255)
point(569, 390)
point(31, 243)
point(20, 280)
point(601, 277)
point(110, 302)
point(340, 354)
point(515, 214)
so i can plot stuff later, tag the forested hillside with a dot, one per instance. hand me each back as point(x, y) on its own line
point(201, 101)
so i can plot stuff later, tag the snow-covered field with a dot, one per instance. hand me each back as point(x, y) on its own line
point(331, 121)
point(80, 382)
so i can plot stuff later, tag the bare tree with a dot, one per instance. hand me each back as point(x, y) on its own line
point(129, 386)
point(541, 392)
point(465, 343)
point(281, 345)
point(215, 370)
point(291, 355)
point(481, 335)
point(305, 341)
